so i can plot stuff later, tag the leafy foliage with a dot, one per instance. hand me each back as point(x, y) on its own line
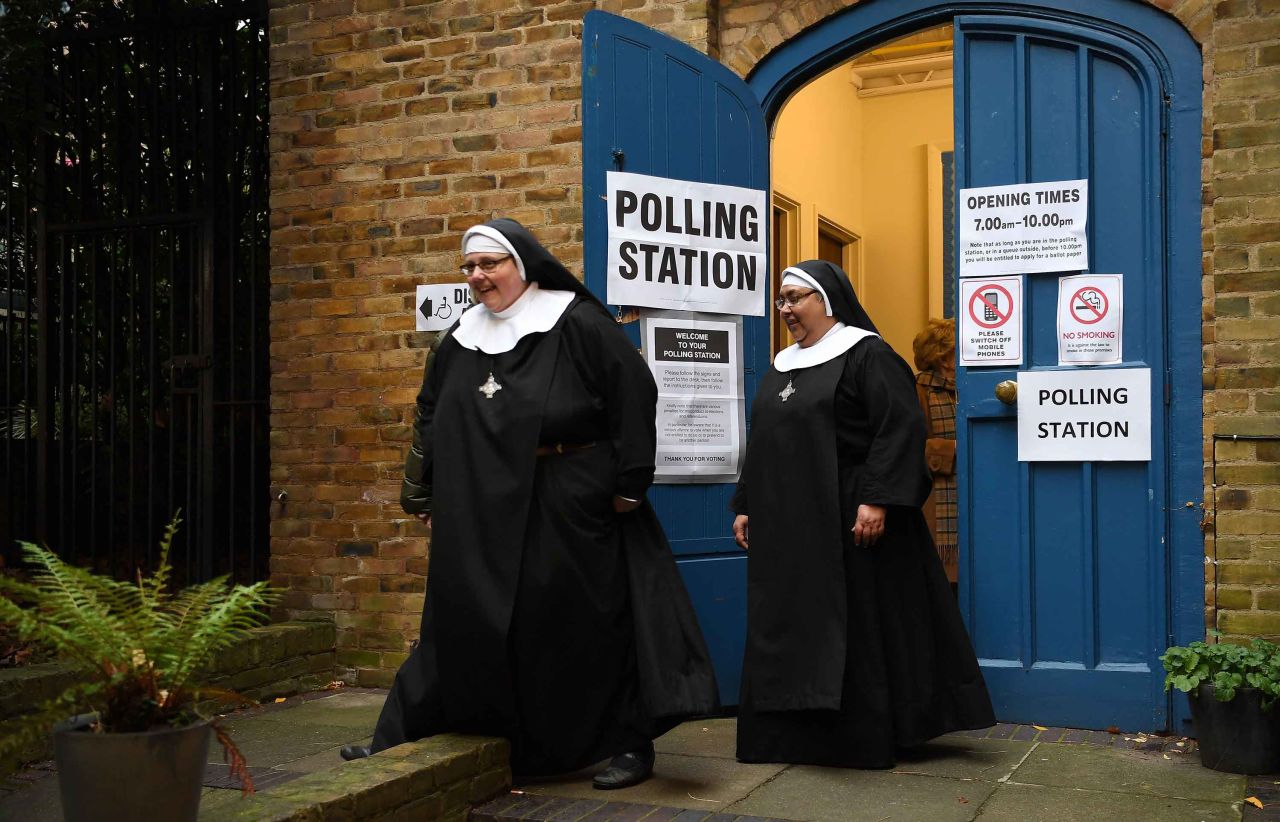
point(1225, 666)
point(142, 645)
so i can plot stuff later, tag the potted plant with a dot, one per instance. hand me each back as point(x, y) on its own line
point(131, 739)
point(1233, 691)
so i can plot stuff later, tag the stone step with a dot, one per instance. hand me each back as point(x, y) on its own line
point(518, 806)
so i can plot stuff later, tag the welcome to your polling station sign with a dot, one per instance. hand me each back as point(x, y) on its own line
point(685, 246)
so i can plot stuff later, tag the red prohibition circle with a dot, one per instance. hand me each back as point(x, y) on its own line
point(1089, 319)
point(977, 297)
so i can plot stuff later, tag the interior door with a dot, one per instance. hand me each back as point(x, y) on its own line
point(653, 105)
point(1065, 565)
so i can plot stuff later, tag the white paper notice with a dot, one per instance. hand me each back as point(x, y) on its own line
point(991, 321)
point(440, 306)
point(1023, 229)
point(697, 363)
point(1091, 319)
point(686, 246)
point(1084, 416)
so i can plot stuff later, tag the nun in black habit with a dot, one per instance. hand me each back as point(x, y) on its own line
point(554, 613)
point(855, 645)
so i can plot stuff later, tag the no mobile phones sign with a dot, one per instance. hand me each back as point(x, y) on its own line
point(991, 321)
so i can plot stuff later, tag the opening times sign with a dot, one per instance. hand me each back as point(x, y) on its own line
point(1024, 229)
point(686, 246)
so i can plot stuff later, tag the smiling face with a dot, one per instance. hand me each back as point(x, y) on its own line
point(805, 314)
point(499, 288)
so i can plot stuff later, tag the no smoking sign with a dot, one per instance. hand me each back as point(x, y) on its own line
point(1090, 327)
point(1089, 305)
point(991, 321)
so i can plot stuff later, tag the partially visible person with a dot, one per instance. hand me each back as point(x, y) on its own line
point(855, 646)
point(935, 355)
point(554, 614)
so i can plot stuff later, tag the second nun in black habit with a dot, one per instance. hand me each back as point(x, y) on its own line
point(554, 613)
point(855, 645)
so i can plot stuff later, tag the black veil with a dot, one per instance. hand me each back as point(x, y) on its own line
point(844, 303)
point(540, 266)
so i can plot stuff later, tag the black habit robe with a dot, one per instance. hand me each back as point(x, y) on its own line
point(549, 619)
point(851, 651)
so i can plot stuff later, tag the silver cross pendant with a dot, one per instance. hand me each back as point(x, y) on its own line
point(490, 387)
point(786, 393)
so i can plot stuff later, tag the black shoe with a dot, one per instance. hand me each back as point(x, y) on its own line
point(626, 769)
point(350, 752)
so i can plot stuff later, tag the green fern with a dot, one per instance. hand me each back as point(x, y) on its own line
point(142, 645)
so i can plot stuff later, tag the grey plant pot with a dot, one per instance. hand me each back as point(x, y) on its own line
point(146, 776)
point(1236, 736)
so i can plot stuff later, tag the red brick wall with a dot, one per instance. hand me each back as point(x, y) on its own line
point(396, 125)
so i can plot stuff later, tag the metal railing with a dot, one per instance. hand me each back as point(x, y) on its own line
point(134, 288)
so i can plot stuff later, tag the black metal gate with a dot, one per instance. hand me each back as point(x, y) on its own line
point(134, 288)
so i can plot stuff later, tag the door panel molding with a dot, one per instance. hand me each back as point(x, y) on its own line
point(653, 105)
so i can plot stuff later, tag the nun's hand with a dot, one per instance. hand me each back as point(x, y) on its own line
point(425, 518)
point(740, 530)
point(869, 526)
point(623, 505)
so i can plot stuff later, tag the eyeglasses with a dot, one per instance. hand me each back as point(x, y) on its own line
point(792, 302)
point(487, 266)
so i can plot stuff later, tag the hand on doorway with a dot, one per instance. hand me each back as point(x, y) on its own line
point(869, 526)
point(740, 531)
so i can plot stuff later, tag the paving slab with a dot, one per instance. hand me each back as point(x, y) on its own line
point(349, 710)
point(806, 792)
point(269, 743)
point(961, 757)
point(1123, 771)
point(702, 783)
point(702, 737)
point(38, 801)
point(1019, 803)
point(322, 761)
point(212, 799)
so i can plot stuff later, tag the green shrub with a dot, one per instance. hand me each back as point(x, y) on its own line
point(1225, 666)
point(143, 647)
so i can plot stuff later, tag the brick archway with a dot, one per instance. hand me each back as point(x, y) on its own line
point(750, 30)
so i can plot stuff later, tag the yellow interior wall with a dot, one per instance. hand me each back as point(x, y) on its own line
point(817, 155)
point(895, 200)
point(862, 163)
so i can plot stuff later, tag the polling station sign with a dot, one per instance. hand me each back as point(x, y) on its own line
point(1023, 229)
point(696, 360)
point(686, 246)
point(1099, 415)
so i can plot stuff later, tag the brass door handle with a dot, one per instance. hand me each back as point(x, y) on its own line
point(1007, 392)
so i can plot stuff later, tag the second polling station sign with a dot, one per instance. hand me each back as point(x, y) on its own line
point(686, 246)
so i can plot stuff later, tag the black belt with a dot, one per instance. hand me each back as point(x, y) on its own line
point(562, 448)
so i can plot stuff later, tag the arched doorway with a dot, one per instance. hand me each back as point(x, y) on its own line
point(1075, 575)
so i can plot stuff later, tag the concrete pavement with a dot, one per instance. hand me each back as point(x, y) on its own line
point(1007, 773)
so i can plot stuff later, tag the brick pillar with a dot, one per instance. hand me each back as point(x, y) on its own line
point(1242, 328)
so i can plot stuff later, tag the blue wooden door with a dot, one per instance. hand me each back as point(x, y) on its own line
point(653, 105)
point(1065, 565)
